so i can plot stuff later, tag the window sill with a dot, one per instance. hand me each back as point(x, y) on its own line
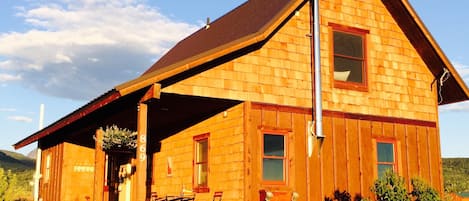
point(351, 86)
point(201, 189)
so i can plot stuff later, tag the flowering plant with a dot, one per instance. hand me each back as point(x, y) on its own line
point(118, 138)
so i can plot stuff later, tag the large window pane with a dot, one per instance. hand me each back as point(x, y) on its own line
point(202, 174)
point(382, 168)
point(273, 169)
point(274, 145)
point(352, 68)
point(348, 44)
point(385, 152)
point(202, 151)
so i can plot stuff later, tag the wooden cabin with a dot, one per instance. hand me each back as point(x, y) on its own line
point(230, 109)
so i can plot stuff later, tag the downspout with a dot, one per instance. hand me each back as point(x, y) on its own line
point(37, 174)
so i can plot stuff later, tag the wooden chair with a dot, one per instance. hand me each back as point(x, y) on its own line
point(217, 195)
point(154, 197)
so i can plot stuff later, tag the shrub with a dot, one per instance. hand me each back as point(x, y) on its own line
point(390, 187)
point(8, 182)
point(422, 191)
point(118, 138)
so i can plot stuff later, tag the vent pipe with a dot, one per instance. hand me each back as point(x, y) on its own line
point(317, 72)
point(37, 174)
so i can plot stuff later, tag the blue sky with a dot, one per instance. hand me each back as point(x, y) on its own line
point(63, 53)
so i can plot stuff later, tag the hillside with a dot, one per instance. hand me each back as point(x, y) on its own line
point(456, 174)
point(22, 169)
point(15, 162)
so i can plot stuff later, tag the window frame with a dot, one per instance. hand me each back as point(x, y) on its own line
point(47, 168)
point(285, 157)
point(195, 175)
point(363, 86)
point(395, 161)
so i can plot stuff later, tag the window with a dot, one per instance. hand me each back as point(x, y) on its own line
point(47, 172)
point(386, 157)
point(201, 147)
point(349, 64)
point(274, 158)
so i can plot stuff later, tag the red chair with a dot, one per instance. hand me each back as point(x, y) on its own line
point(217, 195)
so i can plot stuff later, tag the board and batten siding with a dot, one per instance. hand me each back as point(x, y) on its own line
point(347, 161)
point(51, 171)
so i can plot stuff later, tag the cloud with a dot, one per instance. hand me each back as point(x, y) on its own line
point(80, 49)
point(7, 109)
point(463, 70)
point(8, 77)
point(455, 107)
point(20, 119)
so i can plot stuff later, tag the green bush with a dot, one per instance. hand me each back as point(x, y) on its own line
point(8, 182)
point(390, 187)
point(12, 186)
point(423, 191)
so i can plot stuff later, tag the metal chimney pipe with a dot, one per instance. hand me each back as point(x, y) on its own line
point(317, 71)
point(37, 174)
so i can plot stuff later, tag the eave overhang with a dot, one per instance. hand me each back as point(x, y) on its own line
point(454, 89)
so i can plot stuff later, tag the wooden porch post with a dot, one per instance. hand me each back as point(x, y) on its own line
point(142, 124)
point(99, 163)
point(141, 164)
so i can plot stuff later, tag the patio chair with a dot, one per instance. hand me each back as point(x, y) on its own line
point(217, 195)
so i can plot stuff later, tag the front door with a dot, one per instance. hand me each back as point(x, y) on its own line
point(124, 182)
point(118, 177)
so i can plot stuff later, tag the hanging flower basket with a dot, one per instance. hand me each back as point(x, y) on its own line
point(118, 139)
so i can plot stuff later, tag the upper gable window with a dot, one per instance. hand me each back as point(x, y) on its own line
point(349, 64)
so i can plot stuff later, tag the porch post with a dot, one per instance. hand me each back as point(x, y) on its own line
point(141, 163)
point(152, 93)
point(99, 163)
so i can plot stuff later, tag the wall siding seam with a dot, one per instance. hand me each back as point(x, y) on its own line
point(334, 153)
point(418, 153)
point(429, 155)
point(360, 160)
point(347, 155)
point(407, 154)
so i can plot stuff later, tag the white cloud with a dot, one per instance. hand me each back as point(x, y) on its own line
point(79, 49)
point(455, 107)
point(20, 119)
point(8, 77)
point(7, 109)
point(463, 70)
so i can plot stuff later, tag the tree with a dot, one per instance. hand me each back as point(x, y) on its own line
point(8, 183)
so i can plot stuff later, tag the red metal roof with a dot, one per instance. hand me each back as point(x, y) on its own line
point(92, 106)
point(248, 18)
